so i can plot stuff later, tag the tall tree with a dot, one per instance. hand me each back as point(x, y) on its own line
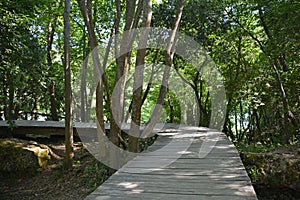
point(69, 151)
point(86, 10)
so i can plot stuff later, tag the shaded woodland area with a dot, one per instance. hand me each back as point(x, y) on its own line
point(255, 46)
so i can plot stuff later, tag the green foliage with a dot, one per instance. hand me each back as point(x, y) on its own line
point(257, 148)
point(95, 173)
point(232, 32)
point(145, 143)
point(253, 172)
point(11, 125)
point(245, 51)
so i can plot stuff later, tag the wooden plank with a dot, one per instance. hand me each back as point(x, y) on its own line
point(151, 196)
point(179, 189)
point(209, 190)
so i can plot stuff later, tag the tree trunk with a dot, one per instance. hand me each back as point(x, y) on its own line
point(227, 124)
point(115, 130)
point(11, 96)
point(4, 94)
point(172, 107)
point(147, 90)
point(83, 92)
point(86, 11)
point(34, 115)
point(122, 59)
point(69, 154)
point(133, 142)
point(53, 107)
point(51, 87)
point(168, 62)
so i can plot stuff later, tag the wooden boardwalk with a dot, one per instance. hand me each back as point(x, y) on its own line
point(185, 163)
point(46, 128)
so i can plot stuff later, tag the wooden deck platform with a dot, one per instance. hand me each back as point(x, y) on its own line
point(185, 163)
point(45, 128)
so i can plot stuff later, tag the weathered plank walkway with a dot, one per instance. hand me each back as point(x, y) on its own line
point(185, 163)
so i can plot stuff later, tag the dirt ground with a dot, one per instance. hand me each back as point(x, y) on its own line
point(54, 182)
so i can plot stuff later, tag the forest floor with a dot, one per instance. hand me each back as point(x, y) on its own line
point(54, 182)
point(88, 173)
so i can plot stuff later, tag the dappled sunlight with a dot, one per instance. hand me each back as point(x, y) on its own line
point(184, 152)
point(128, 185)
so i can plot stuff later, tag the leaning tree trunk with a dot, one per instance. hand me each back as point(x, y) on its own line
point(168, 62)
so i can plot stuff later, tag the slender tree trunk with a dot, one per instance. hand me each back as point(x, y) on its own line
point(11, 96)
point(133, 142)
point(241, 117)
point(69, 154)
point(236, 125)
point(227, 123)
point(257, 123)
point(51, 87)
point(34, 115)
point(203, 119)
point(86, 11)
point(168, 62)
point(122, 59)
point(53, 104)
point(83, 93)
point(4, 94)
point(199, 99)
point(147, 90)
point(172, 108)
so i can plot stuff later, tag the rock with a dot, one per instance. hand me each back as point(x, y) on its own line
point(22, 157)
point(273, 169)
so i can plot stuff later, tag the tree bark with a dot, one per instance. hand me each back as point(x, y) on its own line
point(69, 154)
